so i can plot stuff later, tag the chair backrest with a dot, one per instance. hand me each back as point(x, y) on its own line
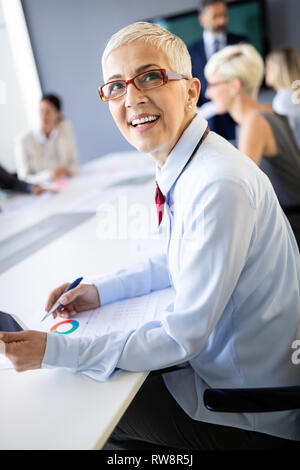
point(250, 400)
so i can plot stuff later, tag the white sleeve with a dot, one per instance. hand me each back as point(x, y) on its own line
point(140, 279)
point(69, 146)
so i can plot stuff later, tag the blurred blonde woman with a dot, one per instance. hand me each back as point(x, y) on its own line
point(234, 77)
point(283, 74)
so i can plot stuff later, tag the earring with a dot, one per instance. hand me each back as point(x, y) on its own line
point(190, 106)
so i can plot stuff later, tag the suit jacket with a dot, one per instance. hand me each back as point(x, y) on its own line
point(222, 124)
point(11, 182)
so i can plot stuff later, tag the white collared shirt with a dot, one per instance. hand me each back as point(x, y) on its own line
point(234, 264)
point(42, 138)
point(48, 147)
point(209, 39)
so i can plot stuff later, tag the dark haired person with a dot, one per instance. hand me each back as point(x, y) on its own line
point(10, 182)
point(48, 152)
point(213, 17)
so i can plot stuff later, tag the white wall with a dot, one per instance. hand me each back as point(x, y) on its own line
point(13, 119)
point(20, 89)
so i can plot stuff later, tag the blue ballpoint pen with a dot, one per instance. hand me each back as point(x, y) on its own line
point(57, 304)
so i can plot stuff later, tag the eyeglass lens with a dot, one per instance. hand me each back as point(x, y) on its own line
point(151, 79)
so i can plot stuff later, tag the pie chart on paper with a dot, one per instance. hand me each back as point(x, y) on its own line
point(65, 327)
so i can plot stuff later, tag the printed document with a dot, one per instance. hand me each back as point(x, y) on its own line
point(123, 315)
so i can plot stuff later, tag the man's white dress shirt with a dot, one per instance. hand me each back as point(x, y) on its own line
point(209, 39)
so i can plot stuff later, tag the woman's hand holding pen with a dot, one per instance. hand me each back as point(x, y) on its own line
point(83, 297)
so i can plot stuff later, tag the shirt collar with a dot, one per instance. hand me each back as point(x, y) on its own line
point(178, 158)
point(210, 37)
point(40, 135)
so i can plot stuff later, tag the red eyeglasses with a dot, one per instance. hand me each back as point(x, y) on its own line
point(143, 81)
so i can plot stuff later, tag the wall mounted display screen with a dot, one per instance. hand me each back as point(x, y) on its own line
point(246, 17)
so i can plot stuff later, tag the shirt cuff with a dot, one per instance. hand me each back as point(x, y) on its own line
point(28, 188)
point(110, 290)
point(61, 352)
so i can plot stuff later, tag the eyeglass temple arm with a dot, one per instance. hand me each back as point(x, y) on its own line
point(176, 76)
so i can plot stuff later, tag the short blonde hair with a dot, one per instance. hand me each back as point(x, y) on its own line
point(285, 65)
point(172, 46)
point(239, 61)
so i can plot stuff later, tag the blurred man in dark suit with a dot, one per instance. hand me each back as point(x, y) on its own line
point(213, 17)
point(11, 182)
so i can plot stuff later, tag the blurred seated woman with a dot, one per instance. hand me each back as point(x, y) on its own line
point(283, 74)
point(49, 152)
point(234, 77)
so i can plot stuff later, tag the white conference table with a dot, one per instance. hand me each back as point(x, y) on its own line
point(54, 408)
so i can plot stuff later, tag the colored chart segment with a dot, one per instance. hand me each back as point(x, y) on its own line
point(74, 324)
